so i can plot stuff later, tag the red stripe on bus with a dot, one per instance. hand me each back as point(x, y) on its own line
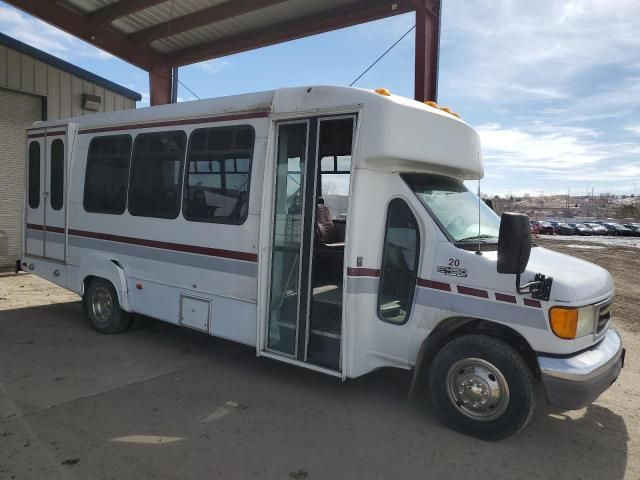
point(39, 127)
point(474, 292)
point(363, 272)
point(33, 226)
point(532, 303)
point(170, 123)
point(423, 282)
point(49, 134)
point(212, 252)
point(506, 298)
point(179, 247)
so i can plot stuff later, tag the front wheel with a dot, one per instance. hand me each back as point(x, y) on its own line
point(482, 387)
point(103, 309)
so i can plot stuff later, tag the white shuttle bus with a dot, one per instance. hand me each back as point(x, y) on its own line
point(330, 228)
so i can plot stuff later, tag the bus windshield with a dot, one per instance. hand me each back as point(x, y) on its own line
point(454, 207)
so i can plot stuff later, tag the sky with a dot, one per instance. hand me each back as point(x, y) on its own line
point(553, 87)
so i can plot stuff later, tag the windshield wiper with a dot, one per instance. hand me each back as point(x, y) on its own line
point(476, 237)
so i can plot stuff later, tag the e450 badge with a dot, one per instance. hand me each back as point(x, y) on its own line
point(453, 271)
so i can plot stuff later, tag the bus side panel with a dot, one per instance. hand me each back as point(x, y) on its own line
point(164, 260)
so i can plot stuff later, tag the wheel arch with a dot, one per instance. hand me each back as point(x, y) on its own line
point(98, 265)
point(453, 327)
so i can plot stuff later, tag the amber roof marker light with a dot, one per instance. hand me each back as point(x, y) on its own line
point(444, 109)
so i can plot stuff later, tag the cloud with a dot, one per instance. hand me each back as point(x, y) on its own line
point(553, 88)
point(43, 36)
point(634, 129)
point(556, 152)
point(541, 147)
point(213, 66)
point(531, 50)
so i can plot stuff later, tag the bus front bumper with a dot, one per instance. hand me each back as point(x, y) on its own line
point(576, 381)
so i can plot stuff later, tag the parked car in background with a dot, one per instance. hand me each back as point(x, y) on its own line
point(580, 229)
point(544, 228)
point(617, 229)
point(634, 227)
point(534, 227)
point(597, 229)
point(563, 229)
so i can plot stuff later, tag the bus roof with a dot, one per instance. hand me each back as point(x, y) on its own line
point(395, 130)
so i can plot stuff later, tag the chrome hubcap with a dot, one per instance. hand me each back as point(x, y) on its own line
point(101, 304)
point(477, 389)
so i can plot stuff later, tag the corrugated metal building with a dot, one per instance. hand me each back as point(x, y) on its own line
point(37, 86)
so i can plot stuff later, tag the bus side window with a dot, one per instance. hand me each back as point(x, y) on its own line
point(34, 175)
point(156, 174)
point(218, 175)
point(57, 174)
point(399, 271)
point(105, 181)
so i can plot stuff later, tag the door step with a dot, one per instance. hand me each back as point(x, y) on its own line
point(324, 349)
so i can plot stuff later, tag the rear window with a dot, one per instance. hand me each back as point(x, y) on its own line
point(34, 175)
point(57, 174)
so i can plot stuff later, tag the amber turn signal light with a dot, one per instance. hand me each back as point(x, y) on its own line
point(564, 322)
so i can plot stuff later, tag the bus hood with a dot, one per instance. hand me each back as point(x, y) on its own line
point(575, 281)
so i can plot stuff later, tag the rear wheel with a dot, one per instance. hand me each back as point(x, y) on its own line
point(482, 387)
point(103, 309)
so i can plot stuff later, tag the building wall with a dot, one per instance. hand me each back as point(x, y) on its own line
point(22, 73)
point(17, 112)
point(26, 86)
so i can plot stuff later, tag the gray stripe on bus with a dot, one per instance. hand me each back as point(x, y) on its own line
point(35, 234)
point(477, 307)
point(237, 267)
point(483, 308)
point(362, 285)
point(53, 237)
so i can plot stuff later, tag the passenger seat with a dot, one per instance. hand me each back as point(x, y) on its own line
point(326, 232)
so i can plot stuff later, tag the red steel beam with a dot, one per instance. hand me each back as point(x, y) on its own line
point(105, 15)
point(160, 85)
point(206, 16)
point(91, 31)
point(353, 14)
point(427, 48)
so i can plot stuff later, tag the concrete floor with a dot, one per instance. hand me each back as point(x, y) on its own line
point(164, 402)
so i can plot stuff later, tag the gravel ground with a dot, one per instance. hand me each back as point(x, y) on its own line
point(596, 241)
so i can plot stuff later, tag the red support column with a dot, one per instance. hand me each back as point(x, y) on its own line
point(427, 47)
point(160, 85)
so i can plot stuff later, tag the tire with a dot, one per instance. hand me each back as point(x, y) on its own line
point(103, 309)
point(477, 369)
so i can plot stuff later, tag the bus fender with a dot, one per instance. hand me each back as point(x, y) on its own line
point(97, 264)
point(428, 349)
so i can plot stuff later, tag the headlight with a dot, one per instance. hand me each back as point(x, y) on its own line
point(570, 323)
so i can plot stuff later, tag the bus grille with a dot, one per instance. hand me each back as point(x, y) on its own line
point(604, 315)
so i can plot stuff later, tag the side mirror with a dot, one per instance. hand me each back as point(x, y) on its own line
point(514, 243)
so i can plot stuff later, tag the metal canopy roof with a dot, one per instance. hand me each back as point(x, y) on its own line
point(158, 35)
point(180, 32)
